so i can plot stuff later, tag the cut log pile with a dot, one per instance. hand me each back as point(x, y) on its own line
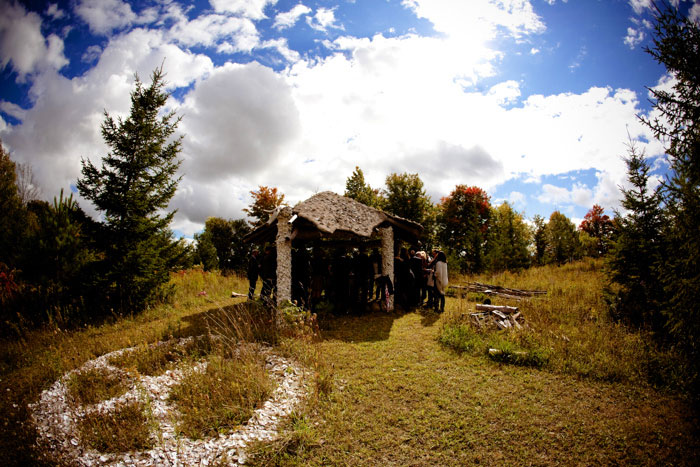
point(500, 317)
point(497, 290)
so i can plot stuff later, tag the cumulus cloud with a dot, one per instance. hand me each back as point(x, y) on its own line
point(22, 44)
point(54, 11)
point(640, 5)
point(634, 37)
point(105, 16)
point(229, 34)
point(288, 19)
point(253, 9)
point(237, 120)
point(506, 92)
point(323, 20)
point(478, 20)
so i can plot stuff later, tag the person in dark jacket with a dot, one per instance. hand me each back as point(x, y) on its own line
point(269, 274)
point(252, 273)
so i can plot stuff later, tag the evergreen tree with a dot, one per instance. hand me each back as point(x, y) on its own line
point(357, 189)
point(677, 47)
point(637, 251)
point(132, 189)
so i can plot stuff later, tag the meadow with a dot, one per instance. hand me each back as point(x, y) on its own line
point(404, 388)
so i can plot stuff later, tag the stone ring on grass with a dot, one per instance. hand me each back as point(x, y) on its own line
point(62, 411)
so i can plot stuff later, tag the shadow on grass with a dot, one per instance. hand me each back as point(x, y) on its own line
point(428, 317)
point(369, 327)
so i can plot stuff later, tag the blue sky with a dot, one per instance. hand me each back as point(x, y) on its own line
point(531, 100)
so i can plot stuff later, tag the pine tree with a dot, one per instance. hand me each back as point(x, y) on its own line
point(638, 249)
point(132, 189)
point(677, 47)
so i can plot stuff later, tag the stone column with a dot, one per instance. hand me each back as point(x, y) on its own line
point(388, 258)
point(284, 255)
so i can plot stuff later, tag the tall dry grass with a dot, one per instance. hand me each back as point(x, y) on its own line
point(569, 329)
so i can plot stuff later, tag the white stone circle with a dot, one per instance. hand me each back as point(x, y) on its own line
point(56, 419)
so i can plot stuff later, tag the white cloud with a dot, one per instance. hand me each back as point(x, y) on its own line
point(104, 16)
point(506, 92)
point(229, 34)
point(54, 11)
point(634, 37)
point(282, 47)
point(323, 20)
point(253, 9)
point(238, 121)
point(23, 45)
point(640, 5)
point(694, 13)
point(288, 19)
point(478, 20)
point(534, 51)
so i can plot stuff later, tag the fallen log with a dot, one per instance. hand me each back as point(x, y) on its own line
point(498, 308)
point(503, 292)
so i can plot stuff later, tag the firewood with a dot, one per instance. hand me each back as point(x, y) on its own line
point(500, 308)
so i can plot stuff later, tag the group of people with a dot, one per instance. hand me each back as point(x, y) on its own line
point(421, 279)
point(352, 281)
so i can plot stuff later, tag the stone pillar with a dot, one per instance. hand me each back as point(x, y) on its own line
point(284, 255)
point(388, 258)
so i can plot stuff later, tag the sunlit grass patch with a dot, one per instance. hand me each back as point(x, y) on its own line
point(153, 360)
point(221, 397)
point(125, 428)
point(298, 437)
point(95, 385)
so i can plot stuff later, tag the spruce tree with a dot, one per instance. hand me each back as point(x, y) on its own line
point(638, 249)
point(677, 47)
point(132, 189)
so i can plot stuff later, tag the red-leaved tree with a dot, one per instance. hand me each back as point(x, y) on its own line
point(464, 222)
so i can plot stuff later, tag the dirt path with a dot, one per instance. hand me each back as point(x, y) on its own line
point(404, 400)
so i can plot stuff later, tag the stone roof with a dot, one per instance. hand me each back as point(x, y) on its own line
point(330, 213)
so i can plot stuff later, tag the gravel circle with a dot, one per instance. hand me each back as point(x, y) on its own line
point(56, 419)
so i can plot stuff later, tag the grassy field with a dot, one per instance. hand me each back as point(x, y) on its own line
point(396, 389)
point(402, 399)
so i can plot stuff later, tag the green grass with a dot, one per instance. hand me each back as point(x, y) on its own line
point(222, 397)
point(153, 360)
point(95, 385)
point(126, 428)
point(401, 398)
